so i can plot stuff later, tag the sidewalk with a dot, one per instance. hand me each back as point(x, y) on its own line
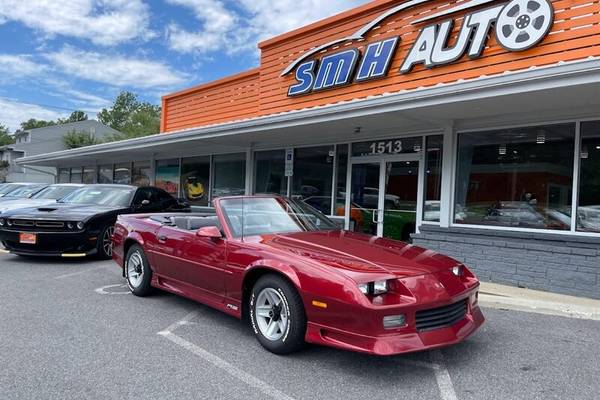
point(497, 296)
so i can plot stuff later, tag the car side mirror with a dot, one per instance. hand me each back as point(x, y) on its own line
point(210, 232)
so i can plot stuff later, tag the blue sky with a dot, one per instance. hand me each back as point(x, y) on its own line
point(58, 56)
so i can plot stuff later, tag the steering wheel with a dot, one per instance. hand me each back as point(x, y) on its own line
point(524, 23)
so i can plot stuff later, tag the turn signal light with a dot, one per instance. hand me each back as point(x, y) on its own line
point(394, 321)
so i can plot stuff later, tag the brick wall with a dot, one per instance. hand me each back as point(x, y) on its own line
point(550, 262)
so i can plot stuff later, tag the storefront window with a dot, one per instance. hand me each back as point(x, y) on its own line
point(64, 175)
point(105, 174)
point(76, 175)
point(269, 170)
point(588, 212)
point(140, 174)
point(229, 175)
point(89, 174)
point(433, 178)
point(411, 145)
point(341, 177)
point(313, 176)
point(519, 177)
point(123, 174)
point(167, 176)
point(195, 180)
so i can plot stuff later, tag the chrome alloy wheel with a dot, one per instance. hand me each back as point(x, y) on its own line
point(135, 270)
point(272, 314)
point(107, 244)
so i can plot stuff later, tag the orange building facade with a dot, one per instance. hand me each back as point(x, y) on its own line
point(263, 91)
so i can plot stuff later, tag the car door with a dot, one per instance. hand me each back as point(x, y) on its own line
point(206, 259)
point(168, 254)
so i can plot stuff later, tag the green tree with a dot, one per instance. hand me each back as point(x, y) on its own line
point(131, 117)
point(75, 116)
point(77, 139)
point(33, 123)
point(5, 137)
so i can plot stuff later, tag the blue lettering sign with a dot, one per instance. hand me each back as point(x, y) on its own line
point(305, 75)
point(377, 59)
point(336, 69)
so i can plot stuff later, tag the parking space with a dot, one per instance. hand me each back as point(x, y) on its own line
point(70, 330)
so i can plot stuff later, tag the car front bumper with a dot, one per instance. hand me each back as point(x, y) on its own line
point(51, 244)
point(400, 343)
point(373, 339)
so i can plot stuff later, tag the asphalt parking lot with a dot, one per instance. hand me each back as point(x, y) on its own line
point(70, 330)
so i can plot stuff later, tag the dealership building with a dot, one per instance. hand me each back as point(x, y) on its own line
point(469, 127)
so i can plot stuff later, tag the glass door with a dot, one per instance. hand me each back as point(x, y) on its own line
point(400, 203)
point(383, 197)
point(364, 198)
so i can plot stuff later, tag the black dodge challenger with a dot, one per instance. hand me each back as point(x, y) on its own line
point(80, 224)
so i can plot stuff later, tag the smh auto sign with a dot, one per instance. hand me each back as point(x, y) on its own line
point(518, 25)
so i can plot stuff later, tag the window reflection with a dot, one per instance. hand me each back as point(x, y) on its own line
point(123, 174)
point(229, 175)
point(195, 180)
point(588, 212)
point(433, 178)
point(270, 172)
point(105, 174)
point(313, 176)
point(519, 177)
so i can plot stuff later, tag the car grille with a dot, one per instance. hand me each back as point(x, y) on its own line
point(50, 224)
point(440, 317)
point(33, 225)
point(22, 222)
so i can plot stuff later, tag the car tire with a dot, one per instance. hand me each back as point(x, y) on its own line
point(138, 272)
point(104, 248)
point(277, 315)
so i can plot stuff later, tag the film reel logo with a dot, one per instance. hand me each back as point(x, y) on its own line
point(524, 23)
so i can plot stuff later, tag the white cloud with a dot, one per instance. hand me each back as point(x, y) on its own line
point(104, 22)
point(18, 66)
point(13, 112)
point(234, 26)
point(116, 71)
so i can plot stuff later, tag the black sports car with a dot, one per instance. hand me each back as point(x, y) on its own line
point(80, 224)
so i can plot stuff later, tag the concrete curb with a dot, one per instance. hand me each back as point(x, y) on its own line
point(526, 300)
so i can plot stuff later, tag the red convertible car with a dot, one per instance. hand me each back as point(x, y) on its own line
point(298, 278)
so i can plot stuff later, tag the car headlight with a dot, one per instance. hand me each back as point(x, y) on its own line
point(80, 226)
point(70, 225)
point(373, 288)
point(2, 222)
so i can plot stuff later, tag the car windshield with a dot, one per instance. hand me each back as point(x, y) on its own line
point(102, 196)
point(6, 188)
point(54, 192)
point(24, 192)
point(270, 215)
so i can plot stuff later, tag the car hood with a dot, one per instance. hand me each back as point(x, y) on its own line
point(357, 254)
point(60, 211)
point(23, 203)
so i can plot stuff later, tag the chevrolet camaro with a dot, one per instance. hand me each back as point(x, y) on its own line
point(297, 278)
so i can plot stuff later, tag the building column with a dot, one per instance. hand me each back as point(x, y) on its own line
point(249, 171)
point(448, 162)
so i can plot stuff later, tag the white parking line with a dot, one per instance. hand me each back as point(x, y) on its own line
point(442, 376)
point(2, 251)
point(218, 362)
point(81, 271)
